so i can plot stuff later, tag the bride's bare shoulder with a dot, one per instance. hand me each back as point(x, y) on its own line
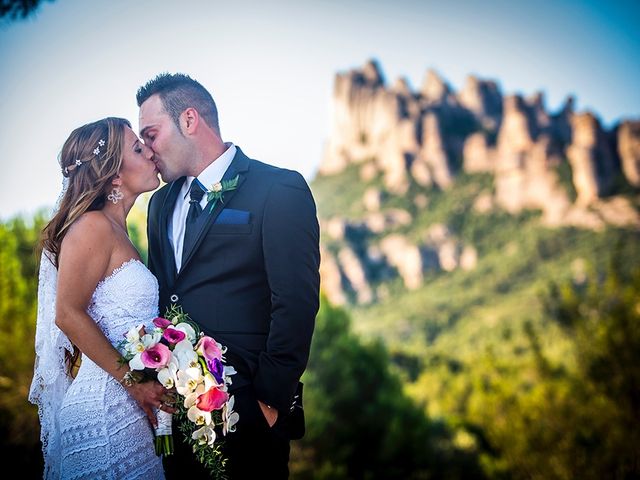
point(90, 226)
point(87, 246)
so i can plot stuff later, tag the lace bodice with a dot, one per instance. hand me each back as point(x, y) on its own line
point(126, 298)
point(103, 432)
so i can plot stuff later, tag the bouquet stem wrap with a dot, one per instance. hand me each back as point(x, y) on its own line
point(164, 439)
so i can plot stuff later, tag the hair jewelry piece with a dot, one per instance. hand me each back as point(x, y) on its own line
point(96, 151)
point(78, 162)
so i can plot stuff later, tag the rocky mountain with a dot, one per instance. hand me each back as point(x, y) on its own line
point(392, 151)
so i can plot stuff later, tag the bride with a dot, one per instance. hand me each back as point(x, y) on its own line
point(92, 289)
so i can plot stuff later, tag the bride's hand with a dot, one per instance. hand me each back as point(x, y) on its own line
point(151, 396)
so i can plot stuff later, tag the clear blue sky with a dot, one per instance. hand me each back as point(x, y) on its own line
point(270, 66)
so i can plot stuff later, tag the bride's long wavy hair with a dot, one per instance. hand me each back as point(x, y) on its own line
point(90, 158)
point(98, 148)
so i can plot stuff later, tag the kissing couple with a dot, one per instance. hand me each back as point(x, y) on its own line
point(231, 240)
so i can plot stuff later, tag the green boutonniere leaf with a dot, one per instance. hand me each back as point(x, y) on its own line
point(217, 191)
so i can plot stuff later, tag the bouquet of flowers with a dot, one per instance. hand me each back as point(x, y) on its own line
point(192, 366)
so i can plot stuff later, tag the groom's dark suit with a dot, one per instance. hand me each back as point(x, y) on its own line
point(250, 279)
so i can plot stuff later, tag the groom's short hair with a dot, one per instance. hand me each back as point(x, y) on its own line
point(178, 92)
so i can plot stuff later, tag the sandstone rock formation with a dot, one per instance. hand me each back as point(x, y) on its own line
point(427, 137)
point(484, 99)
point(417, 144)
point(591, 158)
point(629, 150)
point(405, 257)
point(331, 278)
point(353, 270)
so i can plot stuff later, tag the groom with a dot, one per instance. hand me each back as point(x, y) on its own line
point(245, 269)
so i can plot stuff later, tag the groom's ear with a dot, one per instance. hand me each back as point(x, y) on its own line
point(189, 120)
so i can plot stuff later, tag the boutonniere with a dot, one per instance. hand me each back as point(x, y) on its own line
point(217, 191)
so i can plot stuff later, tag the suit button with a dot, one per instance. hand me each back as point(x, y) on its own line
point(173, 298)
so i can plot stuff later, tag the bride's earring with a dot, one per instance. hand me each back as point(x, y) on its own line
point(116, 195)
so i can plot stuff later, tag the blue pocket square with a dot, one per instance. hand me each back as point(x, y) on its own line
point(229, 216)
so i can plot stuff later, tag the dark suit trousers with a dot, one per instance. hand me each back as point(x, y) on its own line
point(254, 450)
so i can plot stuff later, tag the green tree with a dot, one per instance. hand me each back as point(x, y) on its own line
point(19, 429)
point(602, 315)
point(360, 423)
point(578, 418)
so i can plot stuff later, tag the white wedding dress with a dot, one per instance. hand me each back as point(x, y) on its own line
point(99, 431)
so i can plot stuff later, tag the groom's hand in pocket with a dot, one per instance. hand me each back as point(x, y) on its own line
point(270, 414)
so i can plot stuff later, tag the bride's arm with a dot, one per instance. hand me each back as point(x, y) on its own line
point(85, 256)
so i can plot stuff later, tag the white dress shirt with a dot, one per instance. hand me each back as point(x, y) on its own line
point(209, 176)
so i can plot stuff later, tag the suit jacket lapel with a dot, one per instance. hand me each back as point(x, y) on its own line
point(168, 257)
point(239, 166)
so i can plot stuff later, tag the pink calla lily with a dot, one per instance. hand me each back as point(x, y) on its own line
point(212, 399)
point(161, 322)
point(157, 356)
point(173, 335)
point(209, 348)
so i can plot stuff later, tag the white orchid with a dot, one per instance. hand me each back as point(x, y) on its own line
point(190, 400)
point(205, 435)
point(228, 371)
point(157, 330)
point(132, 344)
point(229, 417)
point(188, 331)
point(134, 348)
point(188, 380)
point(199, 417)
point(184, 345)
point(136, 362)
point(150, 339)
point(185, 355)
point(133, 335)
point(168, 376)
